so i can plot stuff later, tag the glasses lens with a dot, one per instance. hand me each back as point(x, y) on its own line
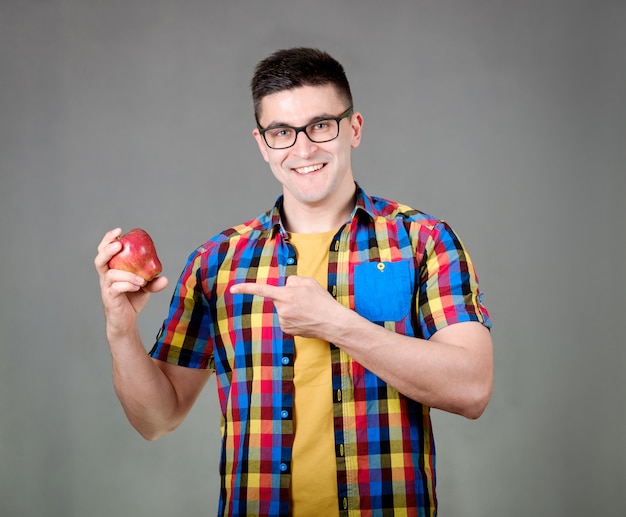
point(280, 137)
point(323, 130)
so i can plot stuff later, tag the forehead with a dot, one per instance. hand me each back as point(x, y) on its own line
point(299, 105)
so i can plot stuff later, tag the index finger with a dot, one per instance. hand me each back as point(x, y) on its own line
point(109, 246)
point(265, 290)
point(109, 237)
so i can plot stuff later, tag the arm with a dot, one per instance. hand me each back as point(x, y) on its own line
point(155, 396)
point(452, 371)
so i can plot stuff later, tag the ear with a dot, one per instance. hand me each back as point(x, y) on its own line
point(261, 143)
point(356, 122)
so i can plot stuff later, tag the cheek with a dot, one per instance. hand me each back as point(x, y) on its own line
point(277, 165)
point(278, 160)
point(278, 173)
point(343, 152)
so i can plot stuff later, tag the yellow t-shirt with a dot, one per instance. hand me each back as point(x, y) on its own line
point(314, 469)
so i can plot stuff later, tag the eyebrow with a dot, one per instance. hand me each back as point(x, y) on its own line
point(322, 116)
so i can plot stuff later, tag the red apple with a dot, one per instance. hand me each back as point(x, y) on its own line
point(138, 255)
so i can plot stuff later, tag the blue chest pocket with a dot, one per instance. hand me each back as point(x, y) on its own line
point(383, 291)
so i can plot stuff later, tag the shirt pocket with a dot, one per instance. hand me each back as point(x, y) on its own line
point(383, 291)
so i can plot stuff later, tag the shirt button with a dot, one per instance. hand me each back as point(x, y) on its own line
point(291, 260)
point(285, 360)
point(284, 413)
point(283, 467)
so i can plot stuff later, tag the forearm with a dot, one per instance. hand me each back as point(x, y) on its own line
point(447, 372)
point(145, 392)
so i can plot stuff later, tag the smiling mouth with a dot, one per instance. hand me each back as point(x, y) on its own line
point(309, 168)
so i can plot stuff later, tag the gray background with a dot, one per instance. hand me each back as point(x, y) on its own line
point(506, 118)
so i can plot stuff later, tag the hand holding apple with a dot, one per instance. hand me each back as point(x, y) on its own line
point(138, 255)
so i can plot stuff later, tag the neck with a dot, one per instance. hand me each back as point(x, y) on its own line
point(321, 217)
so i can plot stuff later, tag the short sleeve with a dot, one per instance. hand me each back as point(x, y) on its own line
point(448, 287)
point(185, 336)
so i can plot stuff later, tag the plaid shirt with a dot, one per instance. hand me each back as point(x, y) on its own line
point(395, 266)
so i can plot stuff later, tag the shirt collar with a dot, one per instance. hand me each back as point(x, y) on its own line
point(363, 205)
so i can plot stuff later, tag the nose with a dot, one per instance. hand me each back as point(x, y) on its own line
point(304, 146)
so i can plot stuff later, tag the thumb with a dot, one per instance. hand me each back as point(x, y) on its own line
point(156, 285)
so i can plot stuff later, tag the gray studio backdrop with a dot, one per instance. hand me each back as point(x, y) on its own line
point(506, 118)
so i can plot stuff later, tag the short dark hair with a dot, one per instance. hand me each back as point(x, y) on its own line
point(291, 68)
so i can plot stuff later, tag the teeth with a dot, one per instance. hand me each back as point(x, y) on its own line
point(310, 168)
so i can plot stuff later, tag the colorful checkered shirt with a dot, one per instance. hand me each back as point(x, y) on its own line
point(394, 265)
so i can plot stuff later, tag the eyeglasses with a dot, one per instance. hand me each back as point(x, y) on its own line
point(318, 131)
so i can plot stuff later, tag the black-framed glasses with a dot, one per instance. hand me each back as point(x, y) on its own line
point(319, 131)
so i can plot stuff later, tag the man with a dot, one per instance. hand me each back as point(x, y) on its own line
point(333, 322)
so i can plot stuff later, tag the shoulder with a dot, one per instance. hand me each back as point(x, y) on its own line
point(247, 234)
point(389, 210)
point(427, 232)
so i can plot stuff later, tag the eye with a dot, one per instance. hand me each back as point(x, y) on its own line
point(320, 125)
point(280, 132)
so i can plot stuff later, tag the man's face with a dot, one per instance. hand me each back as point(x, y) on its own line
point(312, 174)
